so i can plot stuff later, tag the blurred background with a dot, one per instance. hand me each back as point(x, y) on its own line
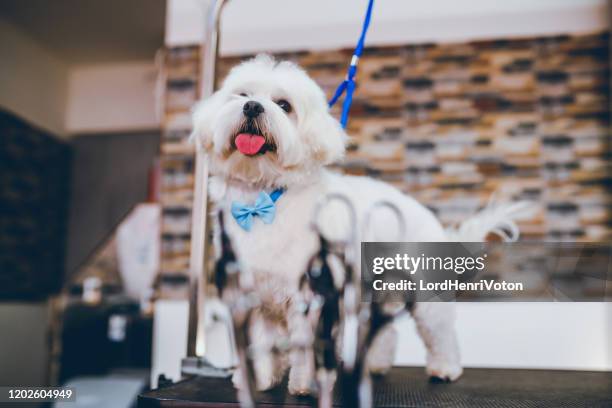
point(455, 101)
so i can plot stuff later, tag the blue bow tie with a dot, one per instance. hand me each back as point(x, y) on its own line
point(264, 208)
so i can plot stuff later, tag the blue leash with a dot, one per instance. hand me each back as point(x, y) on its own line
point(348, 84)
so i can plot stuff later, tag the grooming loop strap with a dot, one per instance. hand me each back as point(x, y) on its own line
point(351, 235)
point(397, 213)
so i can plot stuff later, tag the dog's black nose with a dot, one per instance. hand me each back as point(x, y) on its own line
point(252, 109)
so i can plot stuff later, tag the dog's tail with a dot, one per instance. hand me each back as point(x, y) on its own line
point(497, 218)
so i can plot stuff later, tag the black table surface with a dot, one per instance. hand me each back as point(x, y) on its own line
point(409, 387)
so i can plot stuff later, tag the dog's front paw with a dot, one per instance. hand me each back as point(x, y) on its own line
point(301, 380)
point(300, 387)
point(237, 380)
point(268, 373)
point(380, 363)
point(267, 383)
point(264, 380)
point(440, 370)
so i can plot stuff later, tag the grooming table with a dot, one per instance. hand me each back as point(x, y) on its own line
point(408, 387)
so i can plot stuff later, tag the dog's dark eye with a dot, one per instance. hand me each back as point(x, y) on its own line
point(284, 105)
point(243, 94)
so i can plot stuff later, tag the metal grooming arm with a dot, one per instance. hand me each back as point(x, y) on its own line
point(200, 227)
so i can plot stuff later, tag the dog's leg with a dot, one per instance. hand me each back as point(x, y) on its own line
point(301, 331)
point(382, 352)
point(269, 368)
point(301, 373)
point(435, 323)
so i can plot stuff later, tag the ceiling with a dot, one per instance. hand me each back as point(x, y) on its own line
point(91, 31)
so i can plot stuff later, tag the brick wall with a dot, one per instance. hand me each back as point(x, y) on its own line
point(449, 124)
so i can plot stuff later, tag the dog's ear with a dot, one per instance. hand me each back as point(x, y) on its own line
point(203, 119)
point(326, 137)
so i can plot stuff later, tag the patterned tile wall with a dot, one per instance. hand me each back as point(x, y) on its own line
point(449, 124)
point(177, 163)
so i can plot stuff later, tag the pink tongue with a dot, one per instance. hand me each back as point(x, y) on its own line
point(249, 144)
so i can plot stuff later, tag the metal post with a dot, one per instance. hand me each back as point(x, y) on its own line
point(200, 226)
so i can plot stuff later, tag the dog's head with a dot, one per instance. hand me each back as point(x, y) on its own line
point(268, 126)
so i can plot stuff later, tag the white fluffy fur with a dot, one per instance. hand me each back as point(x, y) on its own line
point(307, 139)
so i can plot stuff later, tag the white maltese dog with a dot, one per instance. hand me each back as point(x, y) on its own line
point(269, 136)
